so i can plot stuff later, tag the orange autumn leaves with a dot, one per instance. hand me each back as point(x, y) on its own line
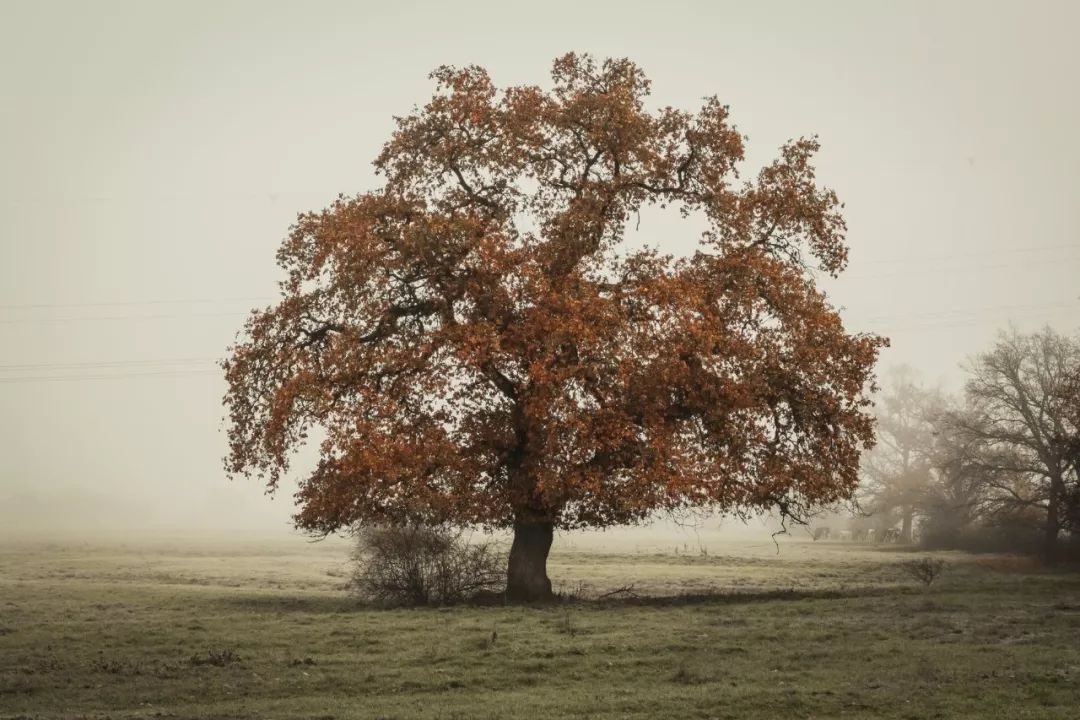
point(474, 343)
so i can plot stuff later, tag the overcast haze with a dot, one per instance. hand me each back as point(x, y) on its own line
point(155, 154)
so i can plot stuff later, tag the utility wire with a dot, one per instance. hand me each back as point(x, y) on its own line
point(177, 316)
point(89, 318)
point(881, 261)
point(958, 313)
point(973, 253)
point(112, 376)
point(95, 364)
point(121, 303)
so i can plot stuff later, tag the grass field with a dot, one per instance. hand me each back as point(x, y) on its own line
point(811, 631)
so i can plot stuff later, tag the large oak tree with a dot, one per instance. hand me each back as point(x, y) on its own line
point(477, 343)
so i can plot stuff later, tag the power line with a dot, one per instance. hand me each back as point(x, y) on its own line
point(96, 364)
point(953, 322)
point(973, 253)
point(112, 376)
point(89, 318)
point(175, 367)
point(936, 269)
point(925, 327)
point(128, 303)
point(880, 261)
point(957, 313)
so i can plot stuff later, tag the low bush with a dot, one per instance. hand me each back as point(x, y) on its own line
point(407, 565)
point(1004, 537)
point(926, 570)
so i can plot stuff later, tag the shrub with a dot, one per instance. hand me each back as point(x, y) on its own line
point(926, 570)
point(420, 565)
point(1008, 535)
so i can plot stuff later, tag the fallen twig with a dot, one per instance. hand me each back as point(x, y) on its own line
point(624, 590)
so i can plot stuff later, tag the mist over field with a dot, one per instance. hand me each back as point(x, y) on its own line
point(156, 155)
point(477, 359)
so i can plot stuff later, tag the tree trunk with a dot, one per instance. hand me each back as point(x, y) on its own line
point(905, 527)
point(1053, 524)
point(526, 573)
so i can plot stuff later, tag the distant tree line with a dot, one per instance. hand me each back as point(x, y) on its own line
point(995, 468)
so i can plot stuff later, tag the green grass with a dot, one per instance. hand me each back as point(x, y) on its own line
point(816, 631)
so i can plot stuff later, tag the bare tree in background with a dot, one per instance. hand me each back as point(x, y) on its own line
point(1071, 403)
point(896, 474)
point(954, 497)
point(1023, 413)
point(976, 498)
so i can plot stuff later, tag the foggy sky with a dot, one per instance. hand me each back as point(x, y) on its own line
point(155, 154)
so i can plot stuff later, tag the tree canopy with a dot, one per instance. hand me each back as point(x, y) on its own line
point(477, 342)
point(1022, 394)
point(896, 474)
